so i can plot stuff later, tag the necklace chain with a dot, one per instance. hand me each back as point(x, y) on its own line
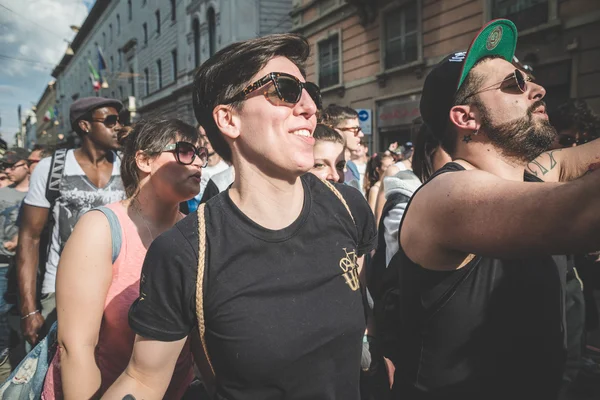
point(144, 220)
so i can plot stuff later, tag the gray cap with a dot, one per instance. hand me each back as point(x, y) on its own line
point(81, 107)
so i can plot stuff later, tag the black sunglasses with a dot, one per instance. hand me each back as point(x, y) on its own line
point(185, 153)
point(517, 79)
point(110, 121)
point(287, 87)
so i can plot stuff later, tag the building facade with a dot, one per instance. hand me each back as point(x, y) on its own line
point(47, 127)
point(152, 47)
point(374, 54)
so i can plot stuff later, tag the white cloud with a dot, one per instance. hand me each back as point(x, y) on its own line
point(35, 31)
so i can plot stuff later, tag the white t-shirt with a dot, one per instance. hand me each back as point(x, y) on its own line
point(77, 196)
point(209, 172)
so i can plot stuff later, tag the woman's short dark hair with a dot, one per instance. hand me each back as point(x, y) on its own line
point(230, 70)
point(326, 134)
point(149, 136)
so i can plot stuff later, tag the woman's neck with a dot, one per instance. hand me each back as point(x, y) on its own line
point(155, 214)
point(273, 203)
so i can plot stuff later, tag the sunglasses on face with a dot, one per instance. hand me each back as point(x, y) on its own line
point(516, 80)
point(110, 121)
point(354, 129)
point(14, 166)
point(185, 153)
point(286, 88)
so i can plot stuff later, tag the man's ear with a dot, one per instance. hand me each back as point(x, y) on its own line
point(143, 161)
point(464, 117)
point(227, 120)
point(84, 125)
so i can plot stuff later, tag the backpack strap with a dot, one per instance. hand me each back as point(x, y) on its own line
point(115, 230)
point(57, 169)
point(200, 282)
point(339, 196)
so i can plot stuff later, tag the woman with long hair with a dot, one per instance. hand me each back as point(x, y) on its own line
point(99, 278)
point(376, 167)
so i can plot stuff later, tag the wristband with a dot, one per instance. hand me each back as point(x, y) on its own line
point(30, 314)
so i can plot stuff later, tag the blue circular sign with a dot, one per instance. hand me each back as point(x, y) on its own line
point(363, 115)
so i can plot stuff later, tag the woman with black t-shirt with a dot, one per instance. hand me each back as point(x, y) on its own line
point(278, 251)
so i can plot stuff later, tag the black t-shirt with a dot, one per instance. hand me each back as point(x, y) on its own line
point(284, 315)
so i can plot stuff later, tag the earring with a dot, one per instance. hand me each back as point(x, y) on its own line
point(476, 132)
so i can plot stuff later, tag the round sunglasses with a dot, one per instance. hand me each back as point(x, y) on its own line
point(185, 153)
point(286, 87)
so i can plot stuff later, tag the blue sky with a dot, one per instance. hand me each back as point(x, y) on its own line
point(32, 42)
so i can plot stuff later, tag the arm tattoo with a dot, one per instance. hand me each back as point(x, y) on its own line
point(539, 166)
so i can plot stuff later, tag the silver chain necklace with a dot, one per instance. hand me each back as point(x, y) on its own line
point(143, 220)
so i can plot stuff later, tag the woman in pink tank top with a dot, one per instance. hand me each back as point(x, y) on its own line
point(160, 168)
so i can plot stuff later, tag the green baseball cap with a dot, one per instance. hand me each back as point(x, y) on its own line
point(498, 37)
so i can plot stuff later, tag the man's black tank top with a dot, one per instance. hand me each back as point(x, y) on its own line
point(493, 329)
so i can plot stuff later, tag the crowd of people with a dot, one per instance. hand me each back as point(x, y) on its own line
point(267, 253)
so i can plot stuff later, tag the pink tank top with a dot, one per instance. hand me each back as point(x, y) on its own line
point(115, 341)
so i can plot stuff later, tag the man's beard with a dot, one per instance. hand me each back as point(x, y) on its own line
point(522, 139)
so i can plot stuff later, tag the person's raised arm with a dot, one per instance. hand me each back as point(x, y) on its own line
point(474, 212)
point(564, 165)
point(28, 246)
point(149, 371)
point(82, 281)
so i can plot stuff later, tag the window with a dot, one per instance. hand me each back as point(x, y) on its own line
point(157, 15)
point(159, 73)
point(325, 5)
point(329, 62)
point(174, 64)
point(212, 31)
point(103, 39)
point(129, 10)
point(110, 33)
point(112, 95)
point(144, 2)
point(112, 63)
point(131, 81)
point(173, 10)
point(145, 29)
point(118, 24)
point(524, 13)
point(120, 59)
point(196, 30)
point(147, 81)
point(121, 93)
point(401, 36)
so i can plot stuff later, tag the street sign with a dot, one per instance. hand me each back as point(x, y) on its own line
point(365, 119)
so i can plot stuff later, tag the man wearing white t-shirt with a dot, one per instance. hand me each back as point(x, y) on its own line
point(90, 178)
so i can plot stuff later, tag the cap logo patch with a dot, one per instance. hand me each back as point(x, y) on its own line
point(458, 57)
point(494, 38)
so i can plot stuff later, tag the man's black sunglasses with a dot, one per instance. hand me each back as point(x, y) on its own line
point(185, 153)
point(110, 121)
point(288, 89)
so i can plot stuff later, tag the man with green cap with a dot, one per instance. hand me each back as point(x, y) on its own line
point(479, 302)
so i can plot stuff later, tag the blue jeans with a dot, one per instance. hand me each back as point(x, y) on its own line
point(4, 308)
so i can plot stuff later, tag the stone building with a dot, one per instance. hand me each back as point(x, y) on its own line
point(152, 47)
point(374, 54)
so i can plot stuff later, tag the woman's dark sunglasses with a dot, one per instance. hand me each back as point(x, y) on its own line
point(517, 79)
point(110, 121)
point(288, 89)
point(185, 153)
